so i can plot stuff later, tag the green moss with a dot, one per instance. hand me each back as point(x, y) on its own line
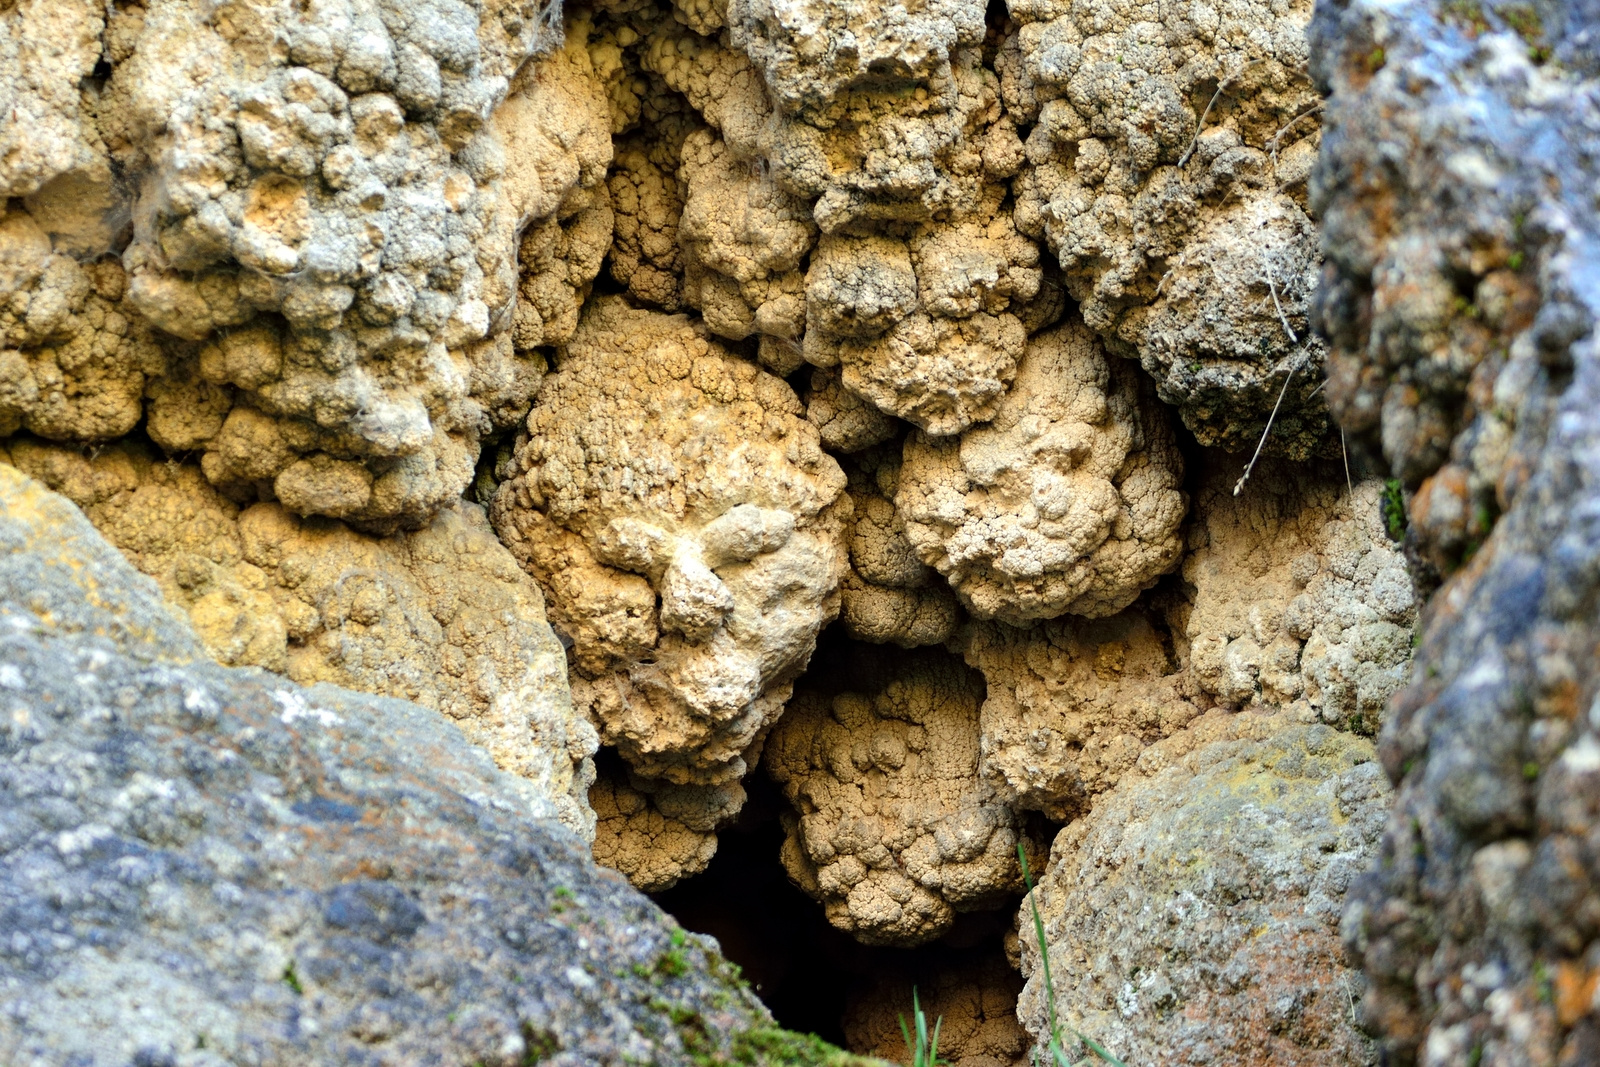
point(292, 980)
point(1515, 260)
point(1394, 510)
point(784, 1048)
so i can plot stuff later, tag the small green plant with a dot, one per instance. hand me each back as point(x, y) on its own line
point(1058, 1055)
point(1393, 509)
point(292, 980)
point(922, 1045)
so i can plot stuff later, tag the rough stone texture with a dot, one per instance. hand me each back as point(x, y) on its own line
point(974, 995)
point(657, 833)
point(1192, 916)
point(657, 467)
point(889, 595)
point(1460, 303)
point(75, 357)
point(1299, 593)
point(1183, 234)
point(319, 289)
point(846, 422)
point(892, 829)
point(1069, 501)
point(204, 865)
point(442, 617)
point(744, 240)
point(1072, 702)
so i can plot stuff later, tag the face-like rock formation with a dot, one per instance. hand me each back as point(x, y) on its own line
point(1068, 502)
point(688, 530)
point(893, 830)
point(442, 617)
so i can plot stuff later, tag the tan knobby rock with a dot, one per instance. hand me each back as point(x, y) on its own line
point(688, 530)
point(1069, 501)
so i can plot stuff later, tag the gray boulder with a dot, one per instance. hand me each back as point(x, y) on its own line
point(1457, 186)
point(205, 866)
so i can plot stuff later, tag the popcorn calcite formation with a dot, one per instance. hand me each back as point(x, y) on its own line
point(1167, 167)
point(1068, 502)
point(689, 531)
point(893, 830)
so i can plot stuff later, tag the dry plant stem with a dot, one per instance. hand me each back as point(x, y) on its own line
point(1265, 430)
point(1348, 484)
point(1272, 143)
point(1273, 289)
point(1201, 125)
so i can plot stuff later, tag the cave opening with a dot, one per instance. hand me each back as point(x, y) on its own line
point(815, 978)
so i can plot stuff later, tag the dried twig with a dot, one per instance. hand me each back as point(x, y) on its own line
point(1245, 477)
point(1272, 143)
point(1348, 484)
point(1273, 289)
point(1201, 125)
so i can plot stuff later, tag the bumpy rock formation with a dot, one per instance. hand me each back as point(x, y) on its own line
point(1071, 703)
point(394, 896)
point(893, 829)
point(689, 532)
point(1192, 916)
point(442, 617)
point(889, 595)
point(1299, 594)
point(1069, 501)
point(1167, 167)
point(974, 996)
point(1461, 308)
point(321, 289)
point(655, 832)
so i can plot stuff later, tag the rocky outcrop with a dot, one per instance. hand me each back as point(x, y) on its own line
point(442, 617)
point(689, 531)
point(1068, 502)
point(1167, 168)
point(892, 828)
point(1192, 917)
point(235, 867)
point(1460, 305)
point(1300, 594)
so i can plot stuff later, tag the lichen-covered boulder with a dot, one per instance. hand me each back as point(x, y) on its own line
point(1192, 917)
point(1068, 502)
point(892, 827)
point(203, 865)
point(442, 617)
point(688, 531)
